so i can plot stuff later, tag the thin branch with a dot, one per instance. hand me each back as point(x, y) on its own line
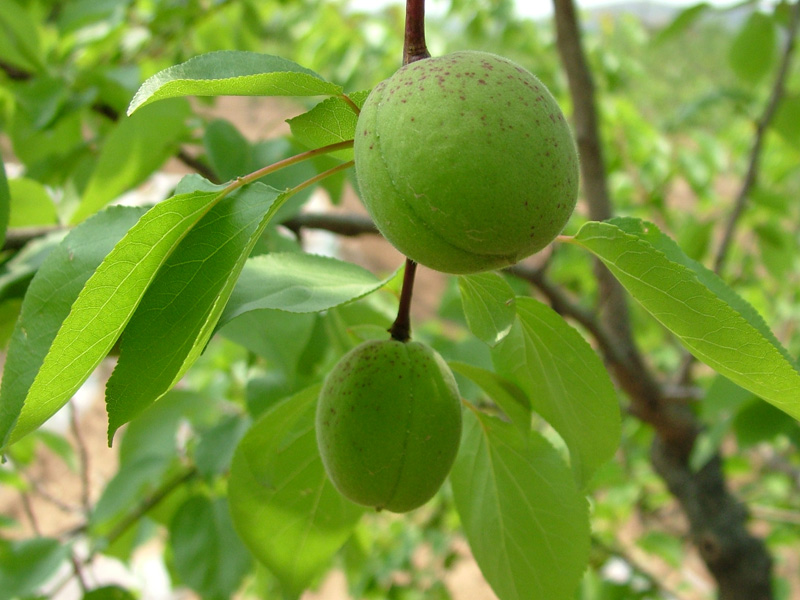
point(150, 503)
point(350, 225)
point(83, 459)
point(762, 125)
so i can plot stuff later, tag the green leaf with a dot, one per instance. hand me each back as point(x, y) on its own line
point(332, 120)
point(685, 19)
point(489, 306)
point(229, 153)
point(715, 324)
point(26, 565)
point(505, 393)
point(30, 204)
point(50, 296)
point(752, 52)
point(132, 151)
point(5, 203)
point(19, 37)
point(566, 383)
point(178, 313)
point(208, 555)
point(233, 73)
point(283, 505)
point(17, 272)
point(216, 446)
point(526, 523)
point(298, 283)
point(787, 120)
point(279, 337)
point(101, 310)
point(109, 592)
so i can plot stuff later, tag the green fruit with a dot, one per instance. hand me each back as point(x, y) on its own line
point(389, 424)
point(465, 162)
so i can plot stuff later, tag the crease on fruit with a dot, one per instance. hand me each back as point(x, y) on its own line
point(418, 220)
point(407, 425)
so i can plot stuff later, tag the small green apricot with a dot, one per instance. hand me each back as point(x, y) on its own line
point(389, 424)
point(465, 162)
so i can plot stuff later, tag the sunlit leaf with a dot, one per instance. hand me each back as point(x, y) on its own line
point(178, 313)
point(102, 309)
point(50, 296)
point(332, 120)
point(526, 522)
point(711, 320)
point(233, 73)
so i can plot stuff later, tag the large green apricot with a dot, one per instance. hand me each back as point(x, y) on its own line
point(465, 162)
point(389, 424)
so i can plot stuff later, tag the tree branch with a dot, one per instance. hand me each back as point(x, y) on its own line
point(762, 125)
point(738, 561)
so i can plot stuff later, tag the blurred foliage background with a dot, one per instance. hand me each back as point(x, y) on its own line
point(680, 94)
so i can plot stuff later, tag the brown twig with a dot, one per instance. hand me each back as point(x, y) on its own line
point(762, 125)
point(83, 459)
point(150, 503)
point(414, 46)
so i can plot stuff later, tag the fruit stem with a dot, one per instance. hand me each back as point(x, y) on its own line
point(286, 162)
point(401, 328)
point(414, 47)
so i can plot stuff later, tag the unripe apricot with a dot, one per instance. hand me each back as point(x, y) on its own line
point(389, 424)
point(465, 162)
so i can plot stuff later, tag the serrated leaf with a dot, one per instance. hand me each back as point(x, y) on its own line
point(715, 324)
point(178, 313)
point(103, 308)
point(233, 73)
point(505, 393)
point(47, 303)
point(332, 120)
point(489, 306)
point(299, 283)
point(526, 523)
point(566, 383)
point(752, 51)
point(132, 151)
point(208, 555)
point(283, 506)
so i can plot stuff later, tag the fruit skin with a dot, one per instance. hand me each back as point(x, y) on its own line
point(389, 424)
point(465, 162)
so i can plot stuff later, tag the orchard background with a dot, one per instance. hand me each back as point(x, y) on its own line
point(686, 119)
